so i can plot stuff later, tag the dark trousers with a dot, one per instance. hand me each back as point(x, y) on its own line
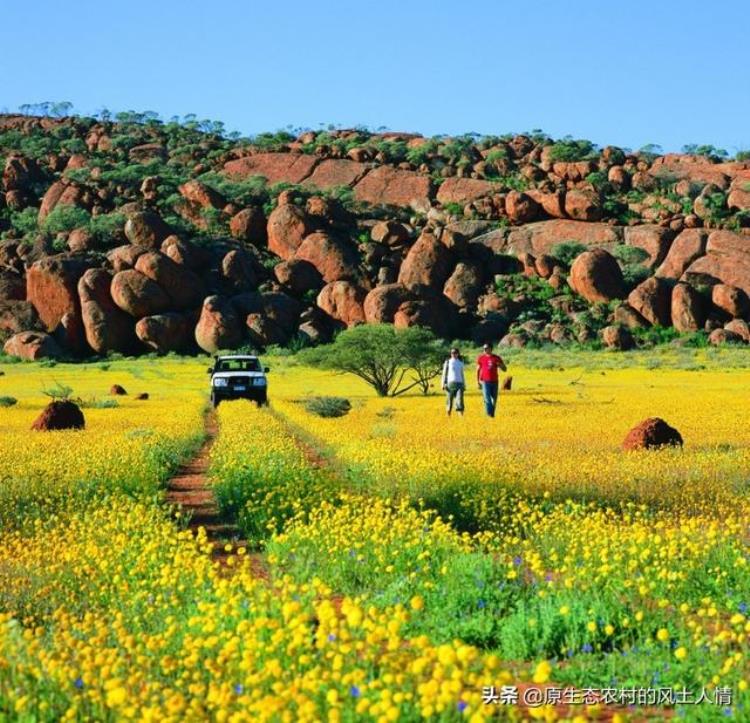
point(489, 394)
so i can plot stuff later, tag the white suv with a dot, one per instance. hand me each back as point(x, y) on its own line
point(238, 377)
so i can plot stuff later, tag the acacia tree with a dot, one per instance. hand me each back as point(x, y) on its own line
point(390, 360)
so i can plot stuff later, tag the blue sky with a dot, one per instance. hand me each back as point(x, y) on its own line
point(626, 72)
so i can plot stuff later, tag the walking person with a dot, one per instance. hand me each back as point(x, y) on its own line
point(454, 382)
point(487, 366)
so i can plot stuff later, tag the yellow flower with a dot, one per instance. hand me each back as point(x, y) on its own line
point(542, 672)
point(417, 602)
point(680, 653)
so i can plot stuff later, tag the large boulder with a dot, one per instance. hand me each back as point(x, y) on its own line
point(201, 195)
point(463, 190)
point(596, 276)
point(654, 240)
point(264, 331)
point(428, 263)
point(183, 287)
point(540, 237)
point(124, 257)
point(333, 172)
point(281, 309)
point(390, 233)
point(197, 199)
point(688, 246)
point(394, 187)
point(16, 316)
point(652, 299)
point(12, 286)
point(740, 328)
point(617, 337)
point(106, 326)
point(249, 225)
point(720, 337)
point(432, 310)
point(583, 205)
point(19, 172)
point(59, 414)
point(520, 207)
point(343, 301)
point(32, 345)
point(219, 326)
point(164, 332)
point(60, 193)
point(182, 252)
point(298, 276)
point(137, 294)
point(652, 433)
point(465, 284)
point(52, 287)
point(382, 303)
point(287, 226)
point(727, 260)
point(237, 271)
point(739, 192)
point(274, 167)
point(334, 259)
point(146, 228)
point(731, 301)
point(688, 308)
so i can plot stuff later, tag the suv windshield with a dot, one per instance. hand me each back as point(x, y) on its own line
point(237, 365)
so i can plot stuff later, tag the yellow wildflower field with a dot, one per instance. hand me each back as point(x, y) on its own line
point(415, 565)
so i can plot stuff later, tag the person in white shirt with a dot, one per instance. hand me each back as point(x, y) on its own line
point(454, 383)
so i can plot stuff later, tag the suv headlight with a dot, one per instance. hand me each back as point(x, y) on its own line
point(260, 381)
point(220, 382)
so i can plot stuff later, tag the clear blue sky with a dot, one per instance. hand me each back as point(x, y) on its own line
point(627, 72)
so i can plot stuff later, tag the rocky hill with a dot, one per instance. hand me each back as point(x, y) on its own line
point(138, 235)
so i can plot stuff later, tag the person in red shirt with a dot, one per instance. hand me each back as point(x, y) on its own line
point(487, 366)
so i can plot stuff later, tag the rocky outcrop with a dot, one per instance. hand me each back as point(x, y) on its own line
point(540, 238)
point(390, 186)
point(274, 167)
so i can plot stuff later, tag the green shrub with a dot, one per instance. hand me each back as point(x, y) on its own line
point(634, 274)
point(629, 255)
point(566, 251)
point(328, 406)
point(7, 401)
point(64, 218)
point(571, 150)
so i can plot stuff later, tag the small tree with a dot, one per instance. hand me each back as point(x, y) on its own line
point(382, 356)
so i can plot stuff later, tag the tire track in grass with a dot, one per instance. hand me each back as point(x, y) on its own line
point(189, 491)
